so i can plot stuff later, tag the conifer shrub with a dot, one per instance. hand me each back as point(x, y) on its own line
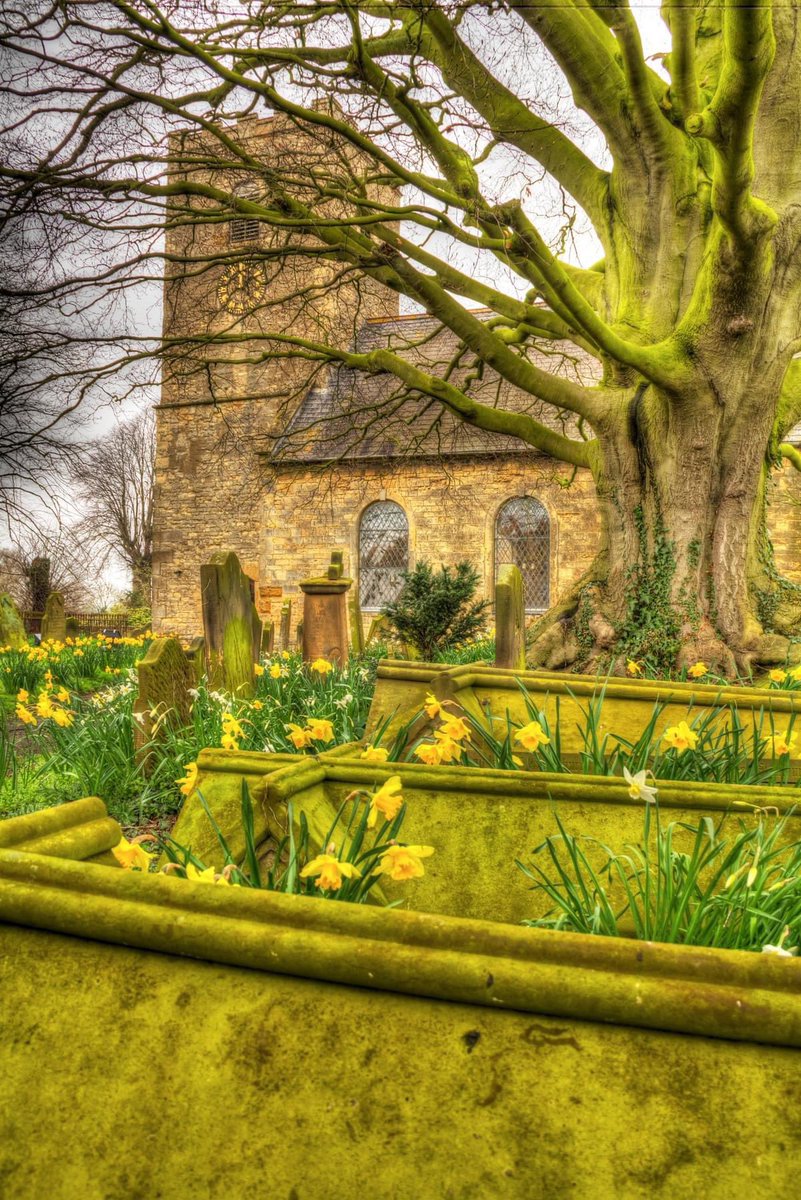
point(437, 609)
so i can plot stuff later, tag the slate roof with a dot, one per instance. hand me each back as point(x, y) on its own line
point(353, 416)
point(356, 416)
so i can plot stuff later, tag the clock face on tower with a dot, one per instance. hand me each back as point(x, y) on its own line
point(242, 288)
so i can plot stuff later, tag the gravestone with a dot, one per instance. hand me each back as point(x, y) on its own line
point(325, 614)
point(355, 615)
point(231, 624)
point(12, 630)
point(54, 622)
point(165, 676)
point(38, 574)
point(510, 620)
point(268, 638)
point(286, 623)
point(196, 657)
point(380, 628)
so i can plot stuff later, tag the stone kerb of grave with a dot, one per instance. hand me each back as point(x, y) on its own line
point(12, 629)
point(54, 621)
point(232, 626)
point(165, 676)
point(510, 620)
point(325, 614)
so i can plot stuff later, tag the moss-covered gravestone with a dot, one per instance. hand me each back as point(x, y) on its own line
point(196, 657)
point(54, 621)
point(165, 677)
point(231, 624)
point(510, 620)
point(325, 614)
point(12, 630)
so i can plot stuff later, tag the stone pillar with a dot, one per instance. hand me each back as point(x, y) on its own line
point(325, 614)
point(355, 614)
point(286, 624)
point(510, 621)
point(54, 622)
point(231, 625)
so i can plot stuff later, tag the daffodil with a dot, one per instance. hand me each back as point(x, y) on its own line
point(63, 696)
point(322, 666)
point(638, 788)
point(231, 726)
point(782, 743)
point(62, 718)
point(257, 704)
point(25, 715)
point(258, 670)
point(403, 862)
point(697, 670)
point(428, 753)
point(455, 728)
point(299, 737)
point(795, 674)
point(320, 730)
point(22, 696)
point(777, 675)
point(275, 671)
point(207, 875)
point(329, 872)
point(188, 781)
point(44, 705)
point(131, 855)
point(633, 667)
point(374, 754)
point(229, 742)
point(447, 749)
point(680, 737)
point(432, 706)
point(532, 736)
point(388, 801)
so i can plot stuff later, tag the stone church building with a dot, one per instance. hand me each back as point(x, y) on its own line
point(282, 460)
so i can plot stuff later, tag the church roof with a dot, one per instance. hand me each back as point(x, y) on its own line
point(357, 416)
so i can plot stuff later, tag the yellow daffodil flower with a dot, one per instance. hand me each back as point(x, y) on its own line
point(680, 737)
point(257, 704)
point(275, 671)
point(25, 715)
point(131, 855)
point(447, 749)
point(229, 742)
point(633, 667)
point(697, 670)
point(62, 718)
point(795, 674)
point(320, 730)
point(207, 875)
point(375, 754)
point(286, 655)
point(23, 696)
point(455, 728)
point(231, 725)
point(300, 738)
point(44, 705)
point(403, 862)
point(782, 743)
point(428, 752)
point(63, 696)
point(388, 801)
point(322, 666)
point(329, 872)
point(432, 706)
point(532, 736)
point(187, 782)
point(777, 675)
point(258, 670)
point(638, 788)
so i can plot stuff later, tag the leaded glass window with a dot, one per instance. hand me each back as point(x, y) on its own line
point(523, 537)
point(383, 553)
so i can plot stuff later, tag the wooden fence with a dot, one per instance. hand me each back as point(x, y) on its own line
point(88, 623)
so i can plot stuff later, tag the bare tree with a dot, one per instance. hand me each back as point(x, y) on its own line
point(428, 177)
point(43, 560)
point(115, 483)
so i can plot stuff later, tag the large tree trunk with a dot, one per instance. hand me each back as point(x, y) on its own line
point(685, 571)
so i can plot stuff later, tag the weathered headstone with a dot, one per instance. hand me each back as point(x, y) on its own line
point(73, 627)
point(196, 657)
point(268, 638)
point(380, 628)
point(12, 630)
point(510, 620)
point(231, 624)
point(325, 614)
point(355, 616)
point(165, 677)
point(38, 574)
point(54, 622)
point(286, 624)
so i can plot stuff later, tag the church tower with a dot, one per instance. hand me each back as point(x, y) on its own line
point(234, 285)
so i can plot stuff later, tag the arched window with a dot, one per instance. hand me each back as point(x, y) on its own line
point(383, 553)
point(523, 537)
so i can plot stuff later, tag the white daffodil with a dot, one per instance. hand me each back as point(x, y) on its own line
point(638, 788)
point(780, 950)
